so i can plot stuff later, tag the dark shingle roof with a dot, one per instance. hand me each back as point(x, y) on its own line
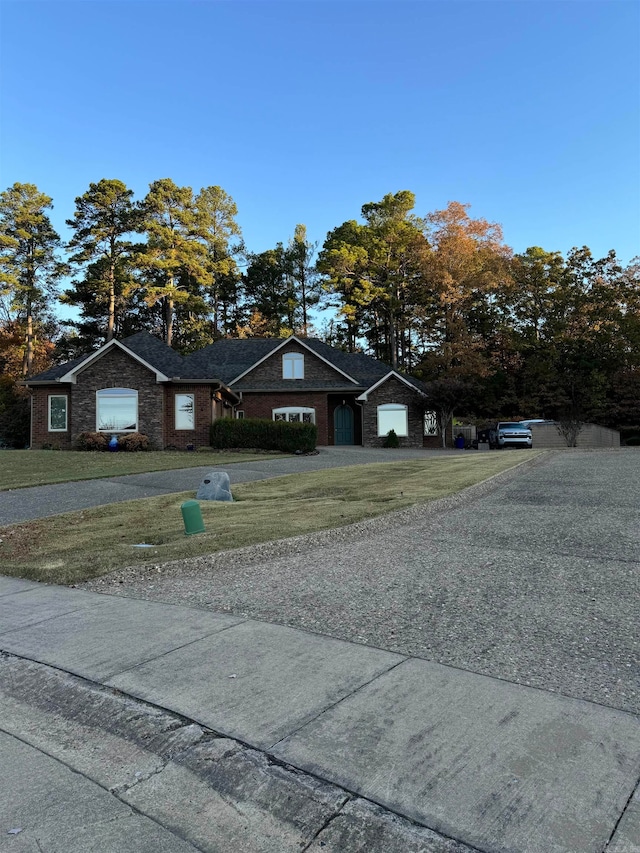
point(247, 384)
point(56, 372)
point(364, 369)
point(227, 359)
point(156, 353)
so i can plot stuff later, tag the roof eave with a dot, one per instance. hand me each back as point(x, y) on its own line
point(302, 344)
point(320, 389)
point(71, 376)
point(36, 382)
point(392, 373)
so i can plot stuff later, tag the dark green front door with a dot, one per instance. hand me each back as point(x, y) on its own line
point(343, 425)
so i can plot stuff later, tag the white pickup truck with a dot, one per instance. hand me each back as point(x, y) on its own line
point(510, 434)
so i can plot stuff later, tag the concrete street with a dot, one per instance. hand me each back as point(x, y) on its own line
point(270, 704)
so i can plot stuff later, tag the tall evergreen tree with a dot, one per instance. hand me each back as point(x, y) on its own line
point(105, 218)
point(221, 235)
point(174, 259)
point(300, 268)
point(269, 293)
point(586, 335)
point(29, 262)
point(374, 269)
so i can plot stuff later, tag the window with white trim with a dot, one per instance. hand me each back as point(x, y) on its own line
point(117, 410)
point(295, 414)
point(240, 414)
point(393, 416)
point(293, 365)
point(57, 417)
point(185, 411)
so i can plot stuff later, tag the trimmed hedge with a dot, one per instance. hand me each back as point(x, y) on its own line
point(263, 434)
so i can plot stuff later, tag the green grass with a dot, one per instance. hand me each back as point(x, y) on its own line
point(76, 546)
point(22, 468)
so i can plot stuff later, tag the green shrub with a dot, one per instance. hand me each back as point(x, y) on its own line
point(391, 439)
point(263, 434)
point(132, 442)
point(92, 441)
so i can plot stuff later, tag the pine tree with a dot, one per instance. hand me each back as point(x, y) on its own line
point(374, 269)
point(29, 262)
point(174, 259)
point(104, 218)
point(305, 278)
point(222, 238)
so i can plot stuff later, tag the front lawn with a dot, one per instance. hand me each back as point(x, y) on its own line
point(21, 468)
point(76, 546)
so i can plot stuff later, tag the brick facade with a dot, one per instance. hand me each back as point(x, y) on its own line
point(203, 407)
point(115, 369)
point(393, 391)
point(260, 405)
point(270, 371)
point(40, 435)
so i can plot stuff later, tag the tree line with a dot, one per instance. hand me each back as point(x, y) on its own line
point(493, 334)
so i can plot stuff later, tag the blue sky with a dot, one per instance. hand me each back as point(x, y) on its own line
point(304, 111)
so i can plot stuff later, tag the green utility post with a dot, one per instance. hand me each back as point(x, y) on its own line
point(192, 518)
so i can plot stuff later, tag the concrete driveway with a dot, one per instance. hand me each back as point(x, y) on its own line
point(457, 678)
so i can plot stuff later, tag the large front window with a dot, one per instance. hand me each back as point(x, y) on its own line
point(393, 416)
point(117, 410)
point(295, 414)
point(57, 413)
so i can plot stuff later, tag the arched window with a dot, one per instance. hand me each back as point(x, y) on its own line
point(295, 414)
point(293, 365)
point(393, 416)
point(117, 410)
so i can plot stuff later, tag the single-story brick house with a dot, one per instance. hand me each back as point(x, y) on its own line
point(139, 384)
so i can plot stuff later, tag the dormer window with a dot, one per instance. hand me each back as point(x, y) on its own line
point(293, 365)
